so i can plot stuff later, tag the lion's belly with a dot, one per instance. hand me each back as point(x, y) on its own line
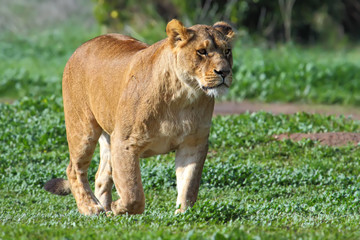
point(161, 145)
point(170, 134)
point(173, 132)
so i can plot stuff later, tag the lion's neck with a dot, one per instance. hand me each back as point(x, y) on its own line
point(175, 84)
point(166, 85)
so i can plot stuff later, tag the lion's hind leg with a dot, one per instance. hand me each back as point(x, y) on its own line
point(103, 178)
point(83, 133)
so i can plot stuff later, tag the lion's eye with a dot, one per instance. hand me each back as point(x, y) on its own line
point(227, 51)
point(202, 52)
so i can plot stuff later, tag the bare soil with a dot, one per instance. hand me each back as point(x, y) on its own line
point(227, 108)
point(330, 139)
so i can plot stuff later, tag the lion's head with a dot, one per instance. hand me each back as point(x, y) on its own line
point(203, 55)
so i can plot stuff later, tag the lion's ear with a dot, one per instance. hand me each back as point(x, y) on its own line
point(226, 29)
point(177, 33)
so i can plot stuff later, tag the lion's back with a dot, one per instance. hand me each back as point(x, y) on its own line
point(100, 55)
point(110, 44)
point(105, 48)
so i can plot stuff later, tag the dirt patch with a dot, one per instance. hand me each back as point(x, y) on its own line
point(226, 108)
point(330, 139)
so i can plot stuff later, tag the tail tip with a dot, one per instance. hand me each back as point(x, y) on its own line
point(58, 186)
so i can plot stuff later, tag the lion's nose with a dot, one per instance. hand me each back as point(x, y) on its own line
point(223, 72)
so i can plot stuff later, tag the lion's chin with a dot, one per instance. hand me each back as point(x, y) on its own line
point(217, 91)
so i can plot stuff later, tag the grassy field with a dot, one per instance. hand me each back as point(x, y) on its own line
point(297, 74)
point(253, 187)
point(32, 65)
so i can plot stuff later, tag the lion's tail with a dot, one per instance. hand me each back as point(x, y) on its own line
point(58, 186)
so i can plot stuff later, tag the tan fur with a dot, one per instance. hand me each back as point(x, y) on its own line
point(143, 101)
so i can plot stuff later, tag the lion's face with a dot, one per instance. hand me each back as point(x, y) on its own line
point(203, 56)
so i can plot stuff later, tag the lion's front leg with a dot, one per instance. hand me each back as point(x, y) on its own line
point(127, 178)
point(189, 163)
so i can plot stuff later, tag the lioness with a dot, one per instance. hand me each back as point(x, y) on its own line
point(140, 101)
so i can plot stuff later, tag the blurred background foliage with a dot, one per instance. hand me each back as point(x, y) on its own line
point(286, 51)
point(303, 21)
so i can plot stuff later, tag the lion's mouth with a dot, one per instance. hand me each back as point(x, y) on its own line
point(219, 85)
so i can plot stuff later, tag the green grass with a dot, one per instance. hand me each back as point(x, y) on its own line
point(296, 74)
point(32, 65)
point(253, 187)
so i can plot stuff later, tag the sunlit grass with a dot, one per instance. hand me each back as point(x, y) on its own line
point(251, 186)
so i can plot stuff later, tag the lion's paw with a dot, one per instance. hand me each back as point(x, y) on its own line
point(109, 214)
point(91, 210)
point(178, 211)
